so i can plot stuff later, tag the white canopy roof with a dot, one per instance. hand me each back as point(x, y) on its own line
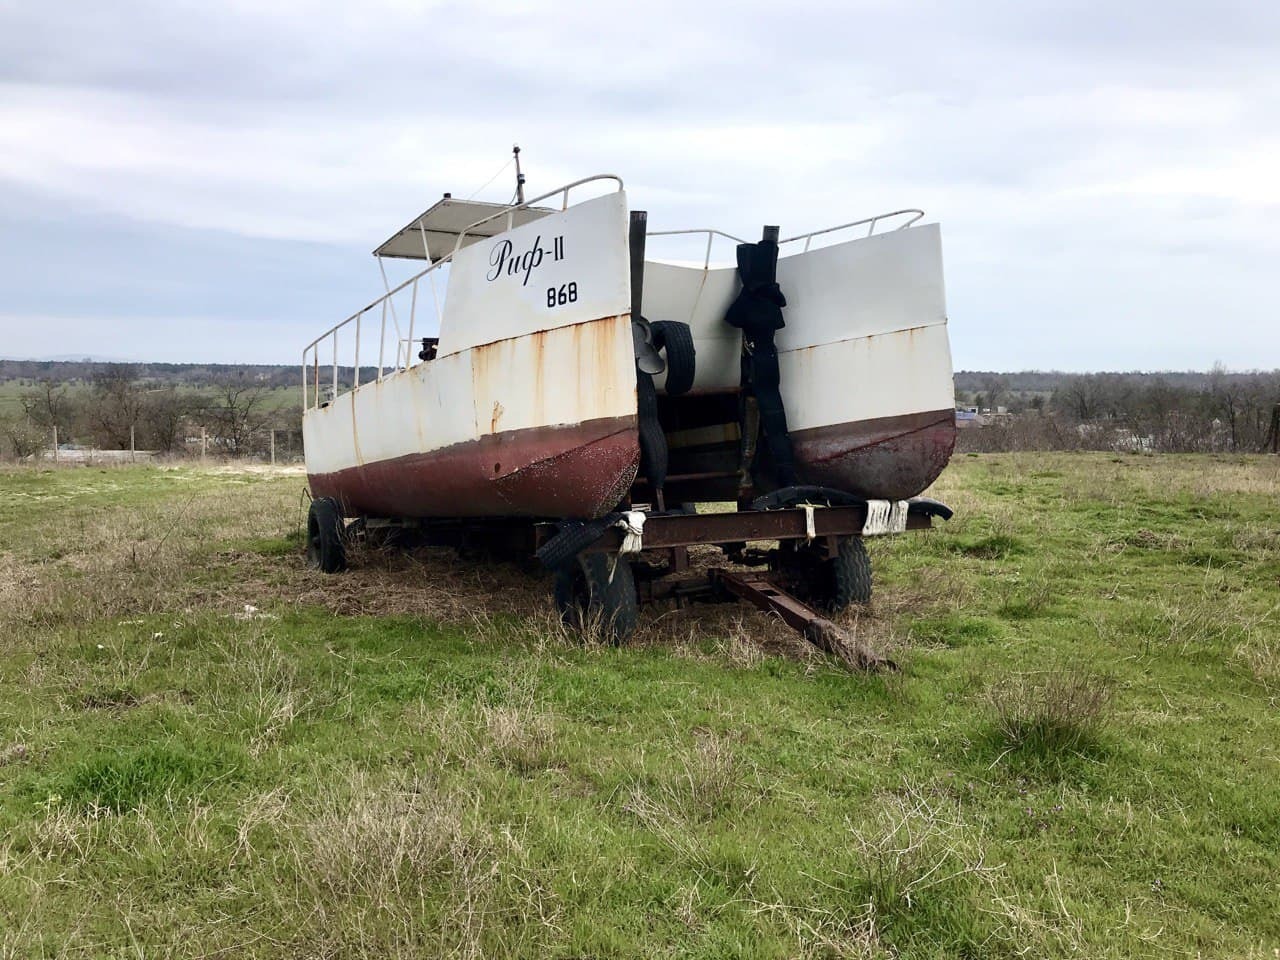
point(441, 224)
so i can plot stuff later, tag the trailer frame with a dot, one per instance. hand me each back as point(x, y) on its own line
point(659, 557)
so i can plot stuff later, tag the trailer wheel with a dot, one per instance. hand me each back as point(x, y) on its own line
point(846, 577)
point(676, 340)
point(587, 597)
point(326, 550)
point(829, 584)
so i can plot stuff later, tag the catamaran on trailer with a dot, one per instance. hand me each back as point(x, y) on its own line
point(542, 379)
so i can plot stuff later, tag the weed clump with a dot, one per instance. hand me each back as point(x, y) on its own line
point(921, 870)
point(706, 785)
point(1063, 710)
point(521, 735)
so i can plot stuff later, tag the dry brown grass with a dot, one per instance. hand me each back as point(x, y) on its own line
point(407, 869)
point(707, 779)
point(508, 726)
point(125, 562)
point(1261, 654)
point(917, 842)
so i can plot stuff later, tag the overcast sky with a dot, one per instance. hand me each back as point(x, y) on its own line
point(196, 181)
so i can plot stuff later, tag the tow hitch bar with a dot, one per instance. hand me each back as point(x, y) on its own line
point(758, 590)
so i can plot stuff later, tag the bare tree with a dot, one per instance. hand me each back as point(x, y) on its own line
point(1079, 396)
point(236, 414)
point(994, 389)
point(164, 414)
point(116, 408)
point(49, 405)
point(1227, 395)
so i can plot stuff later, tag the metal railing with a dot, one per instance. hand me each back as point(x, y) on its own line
point(711, 235)
point(384, 304)
point(870, 222)
point(311, 366)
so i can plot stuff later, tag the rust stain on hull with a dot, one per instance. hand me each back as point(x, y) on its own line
point(892, 458)
point(577, 470)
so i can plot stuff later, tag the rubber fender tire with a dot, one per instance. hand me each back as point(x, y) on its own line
point(653, 442)
point(326, 549)
point(849, 573)
point(676, 339)
point(572, 539)
point(586, 594)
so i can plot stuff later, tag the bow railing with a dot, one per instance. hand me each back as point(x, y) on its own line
point(357, 328)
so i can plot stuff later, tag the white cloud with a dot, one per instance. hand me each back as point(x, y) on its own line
point(1099, 171)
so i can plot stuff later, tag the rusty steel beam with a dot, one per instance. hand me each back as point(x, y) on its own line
point(758, 590)
point(685, 530)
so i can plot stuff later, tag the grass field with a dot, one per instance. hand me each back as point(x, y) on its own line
point(208, 750)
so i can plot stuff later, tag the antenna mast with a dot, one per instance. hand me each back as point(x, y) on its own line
point(519, 176)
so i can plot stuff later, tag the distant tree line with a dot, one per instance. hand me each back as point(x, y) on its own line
point(113, 407)
point(273, 376)
point(1214, 411)
point(168, 406)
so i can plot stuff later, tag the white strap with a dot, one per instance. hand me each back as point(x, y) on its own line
point(898, 516)
point(632, 526)
point(885, 516)
point(810, 531)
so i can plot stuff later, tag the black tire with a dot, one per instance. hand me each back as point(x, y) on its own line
point(586, 595)
point(572, 539)
point(326, 550)
point(653, 442)
point(676, 340)
point(848, 576)
point(831, 584)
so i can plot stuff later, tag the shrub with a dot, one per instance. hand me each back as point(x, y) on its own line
point(21, 439)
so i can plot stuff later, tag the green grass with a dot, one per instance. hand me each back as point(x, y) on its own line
point(1078, 759)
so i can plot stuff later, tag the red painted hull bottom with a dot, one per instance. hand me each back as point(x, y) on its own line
point(888, 458)
point(579, 470)
point(584, 470)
